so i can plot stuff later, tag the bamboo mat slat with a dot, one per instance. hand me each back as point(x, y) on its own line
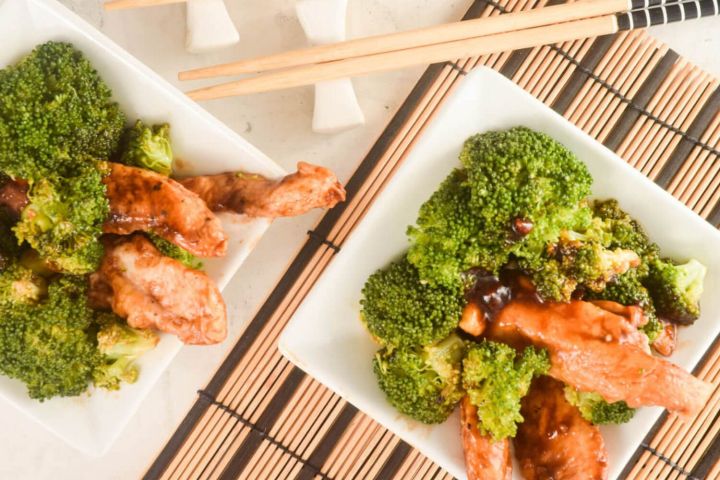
point(262, 418)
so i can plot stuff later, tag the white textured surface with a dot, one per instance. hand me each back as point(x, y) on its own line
point(279, 124)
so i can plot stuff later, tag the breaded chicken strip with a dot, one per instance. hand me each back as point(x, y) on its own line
point(256, 196)
point(555, 441)
point(485, 459)
point(153, 291)
point(141, 200)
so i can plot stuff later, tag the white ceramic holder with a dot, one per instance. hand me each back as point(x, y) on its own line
point(336, 105)
point(209, 26)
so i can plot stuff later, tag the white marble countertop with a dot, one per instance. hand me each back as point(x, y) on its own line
point(279, 124)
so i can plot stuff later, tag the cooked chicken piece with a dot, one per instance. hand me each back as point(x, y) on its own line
point(597, 351)
point(256, 196)
point(13, 197)
point(665, 342)
point(485, 459)
point(153, 291)
point(473, 320)
point(555, 441)
point(141, 200)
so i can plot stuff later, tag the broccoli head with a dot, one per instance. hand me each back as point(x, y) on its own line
point(148, 147)
point(400, 310)
point(120, 345)
point(20, 285)
point(48, 345)
point(445, 239)
point(676, 289)
point(496, 379)
point(627, 289)
point(64, 218)
point(171, 250)
point(55, 108)
point(596, 410)
point(9, 248)
point(423, 382)
point(521, 174)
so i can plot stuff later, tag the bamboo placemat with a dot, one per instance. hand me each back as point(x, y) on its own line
point(262, 418)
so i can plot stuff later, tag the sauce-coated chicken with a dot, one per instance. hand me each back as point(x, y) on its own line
point(153, 291)
point(555, 442)
point(141, 200)
point(485, 459)
point(256, 196)
point(595, 350)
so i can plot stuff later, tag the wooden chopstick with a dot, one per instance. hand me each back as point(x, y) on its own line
point(126, 4)
point(308, 74)
point(414, 38)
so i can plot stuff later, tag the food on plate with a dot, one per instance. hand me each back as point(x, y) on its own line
point(485, 457)
point(555, 440)
point(310, 187)
point(99, 246)
point(558, 304)
point(150, 290)
point(594, 350)
point(143, 200)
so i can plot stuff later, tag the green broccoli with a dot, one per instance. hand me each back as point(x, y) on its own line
point(148, 147)
point(496, 379)
point(596, 410)
point(676, 289)
point(401, 311)
point(171, 250)
point(64, 218)
point(55, 111)
point(447, 238)
point(20, 285)
point(624, 232)
point(521, 174)
point(627, 289)
point(119, 345)
point(422, 382)
point(49, 345)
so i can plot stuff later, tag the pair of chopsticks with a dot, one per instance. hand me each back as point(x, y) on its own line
point(511, 31)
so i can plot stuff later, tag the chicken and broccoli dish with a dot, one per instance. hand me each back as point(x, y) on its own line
point(540, 312)
point(100, 248)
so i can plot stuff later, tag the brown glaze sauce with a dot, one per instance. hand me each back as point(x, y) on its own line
point(491, 293)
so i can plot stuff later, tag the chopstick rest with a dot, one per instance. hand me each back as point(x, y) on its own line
point(209, 26)
point(336, 105)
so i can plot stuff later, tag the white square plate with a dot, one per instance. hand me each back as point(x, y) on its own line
point(326, 338)
point(202, 144)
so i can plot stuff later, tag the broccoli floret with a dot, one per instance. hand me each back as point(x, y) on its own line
point(54, 110)
point(148, 147)
point(447, 239)
point(627, 289)
point(624, 232)
point(496, 379)
point(48, 345)
point(676, 289)
point(120, 345)
point(400, 310)
point(64, 218)
point(173, 251)
point(20, 285)
point(521, 174)
point(596, 410)
point(423, 382)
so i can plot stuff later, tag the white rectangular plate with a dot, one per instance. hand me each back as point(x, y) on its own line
point(326, 338)
point(202, 145)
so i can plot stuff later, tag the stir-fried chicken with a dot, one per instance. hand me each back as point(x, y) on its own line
point(141, 200)
point(598, 351)
point(153, 291)
point(555, 441)
point(485, 458)
point(256, 196)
